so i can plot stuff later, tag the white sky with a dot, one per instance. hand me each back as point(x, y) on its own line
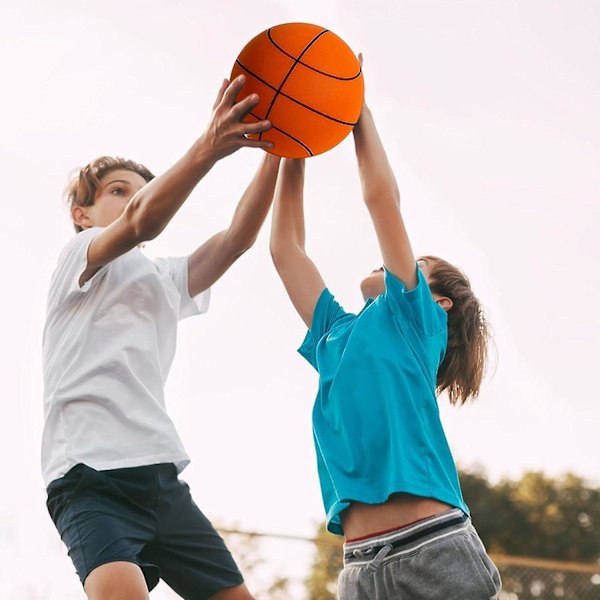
point(489, 112)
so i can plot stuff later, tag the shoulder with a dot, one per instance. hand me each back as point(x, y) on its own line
point(78, 242)
point(416, 304)
point(71, 263)
point(397, 291)
point(328, 313)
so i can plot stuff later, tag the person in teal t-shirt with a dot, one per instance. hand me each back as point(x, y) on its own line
point(387, 475)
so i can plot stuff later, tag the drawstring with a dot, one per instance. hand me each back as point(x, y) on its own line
point(378, 559)
point(374, 564)
point(359, 553)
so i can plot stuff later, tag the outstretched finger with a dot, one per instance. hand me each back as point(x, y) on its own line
point(264, 144)
point(233, 90)
point(224, 86)
point(258, 127)
point(243, 107)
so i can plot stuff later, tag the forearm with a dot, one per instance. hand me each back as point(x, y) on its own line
point(382, 199)
point(287, 230)
point(151, 209)
point(300, 277)
point(253, 207)
point(210, 261)
point(376, 174)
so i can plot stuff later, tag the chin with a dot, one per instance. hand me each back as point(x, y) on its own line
point(372, 286)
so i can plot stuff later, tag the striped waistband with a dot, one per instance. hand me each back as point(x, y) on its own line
point(405, 539)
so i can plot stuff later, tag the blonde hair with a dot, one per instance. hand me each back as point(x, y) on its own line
point(464, 364)
point(82, 189)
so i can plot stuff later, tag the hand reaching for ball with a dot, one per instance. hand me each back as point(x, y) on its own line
point(310, 87)
point(226, 131)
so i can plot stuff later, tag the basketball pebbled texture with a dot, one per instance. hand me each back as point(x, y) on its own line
point(310, 86)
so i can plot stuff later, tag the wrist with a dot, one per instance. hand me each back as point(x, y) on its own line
point(202, 153)
point(272, 160)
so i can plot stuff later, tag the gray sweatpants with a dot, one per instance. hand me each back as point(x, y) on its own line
point(439, 558)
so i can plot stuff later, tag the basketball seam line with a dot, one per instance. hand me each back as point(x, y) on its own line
point(290, 72)
point(312, 68)
point(322, 114)
point(286, 134)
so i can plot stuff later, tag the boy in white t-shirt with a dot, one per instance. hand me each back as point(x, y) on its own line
point(110, 452)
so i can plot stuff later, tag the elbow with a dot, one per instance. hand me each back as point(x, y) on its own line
point(278, 259)
point(283, 255)
point(236, 246)
point(382, 196)
point(237, 252)
point(277, 250)
point(284, 244)
point(142, 223)
point(275, 255)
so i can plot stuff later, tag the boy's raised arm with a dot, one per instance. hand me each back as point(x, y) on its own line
point(217, 254)
point(299, 275)
point(150, 210)
point(381, 195)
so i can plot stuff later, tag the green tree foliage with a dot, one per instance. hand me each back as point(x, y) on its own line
point(536, 516)
point(245, 548)
point(328, 561)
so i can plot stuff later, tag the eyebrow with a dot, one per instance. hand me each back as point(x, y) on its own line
point(117, 181)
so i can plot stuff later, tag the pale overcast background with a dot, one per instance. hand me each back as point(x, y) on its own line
point(489, 112)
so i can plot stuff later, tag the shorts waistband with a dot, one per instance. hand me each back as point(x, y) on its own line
point(405, 539)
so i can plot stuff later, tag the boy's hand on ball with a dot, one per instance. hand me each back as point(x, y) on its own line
point(226, 132)
point(310, 84)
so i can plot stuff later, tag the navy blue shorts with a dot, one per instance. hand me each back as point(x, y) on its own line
point(143, 515)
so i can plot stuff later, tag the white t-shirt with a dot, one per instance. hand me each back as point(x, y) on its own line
point(108, 347)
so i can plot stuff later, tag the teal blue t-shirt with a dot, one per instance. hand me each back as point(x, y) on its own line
point(376, 421)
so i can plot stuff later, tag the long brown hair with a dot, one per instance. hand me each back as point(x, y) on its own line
point(82, 189)
point(464, 365)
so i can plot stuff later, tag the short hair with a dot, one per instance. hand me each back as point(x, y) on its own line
point(82, 189)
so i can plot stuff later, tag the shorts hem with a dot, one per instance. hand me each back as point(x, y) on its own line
point(226, 586)
point(148, 577)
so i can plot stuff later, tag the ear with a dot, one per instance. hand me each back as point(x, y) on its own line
point(445, 302)
point(80, 217)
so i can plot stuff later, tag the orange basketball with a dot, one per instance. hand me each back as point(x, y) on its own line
point(310, 86)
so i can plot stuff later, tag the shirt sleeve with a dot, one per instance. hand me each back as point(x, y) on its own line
point(326, 315)
point(416, 305)
point(72, 262)
point(176, 269)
